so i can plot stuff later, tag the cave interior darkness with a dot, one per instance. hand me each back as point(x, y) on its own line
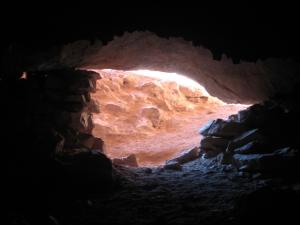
point(89, 142)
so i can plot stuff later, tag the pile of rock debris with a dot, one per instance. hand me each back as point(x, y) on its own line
point(255, 141)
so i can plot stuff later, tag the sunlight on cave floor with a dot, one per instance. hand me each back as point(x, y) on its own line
point(152, 114)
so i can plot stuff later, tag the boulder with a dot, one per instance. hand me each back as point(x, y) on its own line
point(186, 156)
point(222, 128)
point(224, 158)
point(261, 115)
point(280, 161)
point(253, 162)
point(253, 147)
point(204, 130)
point(253, 115)
point(246, 137)
point(126, 161)
point(216, 144)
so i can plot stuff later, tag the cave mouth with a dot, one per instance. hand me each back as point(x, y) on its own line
point(152, 116)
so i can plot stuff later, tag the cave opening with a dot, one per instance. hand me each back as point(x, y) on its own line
point(56, 169)
point(148, 117)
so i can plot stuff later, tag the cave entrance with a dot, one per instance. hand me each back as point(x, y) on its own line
point(153, 115)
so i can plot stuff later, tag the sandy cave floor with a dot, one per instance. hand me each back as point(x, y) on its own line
point(153, 120)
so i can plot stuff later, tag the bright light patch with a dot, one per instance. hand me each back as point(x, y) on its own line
point(180, 79)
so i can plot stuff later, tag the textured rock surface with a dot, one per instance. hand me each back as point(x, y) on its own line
point(223, 128)
point(246, 137)
point(152, 117)
point(254, 148)
point(145, 50)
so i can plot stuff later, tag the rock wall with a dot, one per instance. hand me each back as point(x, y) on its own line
point(244, 82)
point(48, 129)
point(235, 83)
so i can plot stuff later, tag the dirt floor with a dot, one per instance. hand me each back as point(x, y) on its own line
point(202, 193)
point(152, 119)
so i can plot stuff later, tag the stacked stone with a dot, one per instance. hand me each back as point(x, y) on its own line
point(252, 140)
point(62, 122)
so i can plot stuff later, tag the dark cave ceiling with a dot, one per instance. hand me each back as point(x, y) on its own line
point(248, 32)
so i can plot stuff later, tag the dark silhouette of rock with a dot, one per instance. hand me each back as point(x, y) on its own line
point(253, 147)
point(222, 128)
point(186, 156)
point(216, 144)
point(246, 137)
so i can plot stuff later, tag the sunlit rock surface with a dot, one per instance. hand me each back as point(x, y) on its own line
point(153, 119)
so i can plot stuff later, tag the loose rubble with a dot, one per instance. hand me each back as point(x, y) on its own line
point(252, 141)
